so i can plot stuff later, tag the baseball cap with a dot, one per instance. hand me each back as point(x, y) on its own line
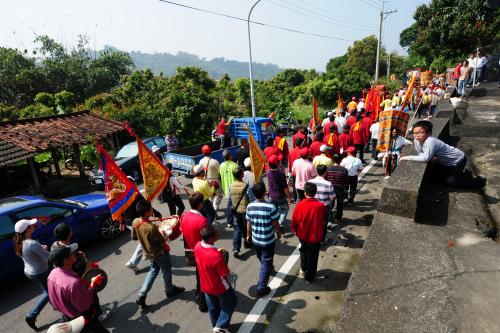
point(324, 148)
point(154, 149)
point(198, 168)
point(351, 150)
point(59, 253)
point(247, 162)
point(353, 98)
point(304, 152)
point(74, 326)
point(23, 224)
point(329, 113)
point(206, 149)
point(273, 159)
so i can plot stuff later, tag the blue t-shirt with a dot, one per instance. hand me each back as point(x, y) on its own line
point(261, 215)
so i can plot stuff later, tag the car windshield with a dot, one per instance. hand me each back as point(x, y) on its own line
point(70, 202)
point(129, 150)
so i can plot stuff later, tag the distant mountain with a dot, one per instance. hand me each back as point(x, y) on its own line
point(167, 64)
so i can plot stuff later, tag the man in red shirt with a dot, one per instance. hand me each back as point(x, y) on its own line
point(331, 123)
point(359, 137)
point(352, 118)
point(191, 224)
point(220, 296)
point(271, 150)
point(308, 224)
point(281, 144)
point(345, 140)
point(332, 141)
point(315, 151)
point(300, 134)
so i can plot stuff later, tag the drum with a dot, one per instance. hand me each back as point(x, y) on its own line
point(168, 226)
point(91, 273)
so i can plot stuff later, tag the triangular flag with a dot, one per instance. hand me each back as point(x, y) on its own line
point(257, 157)
point(154, 174)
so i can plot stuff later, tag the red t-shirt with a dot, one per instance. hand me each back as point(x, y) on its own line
point(351, 121)
point(358, 135)
point(221, 127)
point(367, 122)
point(270, 151)
point(333, 141)
point(301, 135)
point(345, 141)
point(327, 128)
point(212, 269)
point(308, 220)
point(277, 141)
point(191, 224)
point(315, 148)
point(294, 154)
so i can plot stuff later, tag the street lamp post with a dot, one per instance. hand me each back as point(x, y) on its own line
point(252, 100)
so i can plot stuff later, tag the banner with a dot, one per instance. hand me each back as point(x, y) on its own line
point(256, 156)
point(316, 117)
point(120, 191)
point(154, 173)
point(409, 92)
point(340, 106)
point(387, 120)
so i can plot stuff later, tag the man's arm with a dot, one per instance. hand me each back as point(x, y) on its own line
point(277, 229)
point(249, 231)
point(427, 153)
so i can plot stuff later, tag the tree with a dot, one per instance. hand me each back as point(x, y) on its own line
point(362, 55)
point(336, 62)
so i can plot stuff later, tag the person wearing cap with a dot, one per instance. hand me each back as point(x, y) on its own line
point(171, 141)
point(243, 152)
point(352, 105)
point(303, 169)
point(156, 250)
point(337, 175)
point(226, 175)
point(271, 150)
point(282, 146)
point(156, 150)
point(201, 184)
point(248, 176)
point(278, 190)
point(212, 169)
point(68, 293)
point(359, 137)
point(73, 326)
point(322, 159)
point(239, 198)
point(354, 167)
point(36, 264)
point(308, 220)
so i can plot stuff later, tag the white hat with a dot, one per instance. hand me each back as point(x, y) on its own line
point(74, 326)
point(155, 148)
point(23, 224)
point(329, 113)
point(324, 148)
point(247, 162)
point(198, 168)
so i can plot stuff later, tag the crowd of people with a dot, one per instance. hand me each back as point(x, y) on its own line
point(473, 71)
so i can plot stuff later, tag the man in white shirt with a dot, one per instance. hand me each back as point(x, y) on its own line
point(327, 119)
point(340, 121)
point(361, 104)
point(354, 167)
point(374, 139)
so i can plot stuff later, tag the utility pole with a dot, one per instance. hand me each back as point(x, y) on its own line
point(388, 66)
point(383, 16)
point(252, 99)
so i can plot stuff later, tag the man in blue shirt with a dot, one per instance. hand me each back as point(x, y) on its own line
point(262, 222)
point(450, 161)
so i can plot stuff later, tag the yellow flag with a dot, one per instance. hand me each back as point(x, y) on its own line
point(154, 173)
point(256, 156)
point(340, 106)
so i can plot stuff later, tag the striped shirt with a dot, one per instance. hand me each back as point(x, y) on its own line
point(325, 191)
point(261, 216)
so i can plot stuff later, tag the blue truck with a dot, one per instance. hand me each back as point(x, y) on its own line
point(184, 159)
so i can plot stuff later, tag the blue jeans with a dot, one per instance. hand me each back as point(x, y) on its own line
point(136, 257)
point(461, 87)
point(282, 207)
point(41, 281)
point(229, 214)
point(239, 231)
point(161, 263)
point(265, 254)
point(221, 308)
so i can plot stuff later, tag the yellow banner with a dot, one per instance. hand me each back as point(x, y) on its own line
point(154, 173)
point(256, 156)
point(340, 107)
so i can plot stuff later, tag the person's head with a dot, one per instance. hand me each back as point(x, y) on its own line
point(279, 132)
point(422, 130)
point(351, 151)
point(305, 152)
point(320, 136)
point(209, 234)
point(226, 154)
point(362, 110)
point(394, 132)
point(170, 133)
point(168, 165)
point(244, 142)
point(23, 230)
point(465, 63)
point(270, 142)
point(196, 200)
point(199, 170)
point(144, 208)
point(238, 173)
point(247, 163)
point(337, 158)
point(62, 232)
point(259, 190)
point(331, 117)
point(321, 169)
point(331, 128)
point(310, 189)
point(346, 129)
point(63, 256)
point(299, 122)
point(319, 128)
point(353, 99)
point(343, 113)
point(299, 141)
point(359, 117)
point(354, 113)
point(206, 150)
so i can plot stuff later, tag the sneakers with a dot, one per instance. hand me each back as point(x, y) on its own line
point(329, 226)
point(220, 330)
point(203, 307)
point(263, 292)
point(175, 291)
point(141, 301)
point(104, 316)
point(302, 274)
point(229, 225)
point(31, 322)
point(132, 267)
point(236, 254)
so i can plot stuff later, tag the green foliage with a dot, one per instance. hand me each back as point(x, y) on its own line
point(45, 99)
point(336, 62)
point(63, 101)
point(88, 153)
point(363, 54)
point(43, 157)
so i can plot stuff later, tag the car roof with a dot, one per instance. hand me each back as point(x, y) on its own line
point(13, 203)
point(144, 140)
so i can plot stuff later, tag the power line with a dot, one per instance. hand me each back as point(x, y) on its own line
point(315, 17)
point(370, 4)
point(255, 22)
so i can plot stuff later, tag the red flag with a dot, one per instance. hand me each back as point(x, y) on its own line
point(316, 118)
point(120, 191)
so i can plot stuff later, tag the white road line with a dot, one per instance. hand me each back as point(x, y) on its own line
point(253, 317)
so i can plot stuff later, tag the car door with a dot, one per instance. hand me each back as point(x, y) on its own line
point(11, 266)
point(49, 216)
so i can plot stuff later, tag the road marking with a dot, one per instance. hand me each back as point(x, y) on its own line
point(253, 316)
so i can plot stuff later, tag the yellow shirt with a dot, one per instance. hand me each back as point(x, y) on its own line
point(396, 100)
point(426, 99)
point(352, 106)
point(322, 160)
point(386, 104)
point(202, 186)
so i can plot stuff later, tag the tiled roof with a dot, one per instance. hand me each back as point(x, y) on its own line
point(27, 137)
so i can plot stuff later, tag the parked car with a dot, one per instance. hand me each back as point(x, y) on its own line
point(127, 159)
point(88, 215)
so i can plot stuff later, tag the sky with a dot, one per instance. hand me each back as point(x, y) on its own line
point(154, 26)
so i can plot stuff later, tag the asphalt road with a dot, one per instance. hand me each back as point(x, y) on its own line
point(179, 314)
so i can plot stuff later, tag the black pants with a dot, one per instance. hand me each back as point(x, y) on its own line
point(208, 211)
point(458, 175)
point(360, 148)
point(309, 254)
point(352, 186)
point(301, 194)
point(294, 191)
point(339, 201)
point(200, 296)
point(176, 202)
point(374, 149)
point(92, 323)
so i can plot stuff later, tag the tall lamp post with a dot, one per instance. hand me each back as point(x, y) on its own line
point(252, 100)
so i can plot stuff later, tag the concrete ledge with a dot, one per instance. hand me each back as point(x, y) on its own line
point(400, 195)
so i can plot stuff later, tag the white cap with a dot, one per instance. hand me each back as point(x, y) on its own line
point(324, 148)
point(329, 113)
point(198, 168)
point(154, 149)
point(74, 326)
point(23, 224)
point(247, 162)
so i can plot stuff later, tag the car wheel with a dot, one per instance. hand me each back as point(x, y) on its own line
point(110, 229)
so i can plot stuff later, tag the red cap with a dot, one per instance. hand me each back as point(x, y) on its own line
point(206, 149)
point(351, 150)
point(273, 159)
point(353, 98)
point(304, 152)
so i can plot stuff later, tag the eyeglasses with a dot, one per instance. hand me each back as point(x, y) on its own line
point(419, 133)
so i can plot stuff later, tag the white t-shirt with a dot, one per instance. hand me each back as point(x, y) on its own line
point(325, 121)
point(352, 164)
point(374, 130)
point(361, 105)
point(248, 178)
point(213, 170)
point(340, 121)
